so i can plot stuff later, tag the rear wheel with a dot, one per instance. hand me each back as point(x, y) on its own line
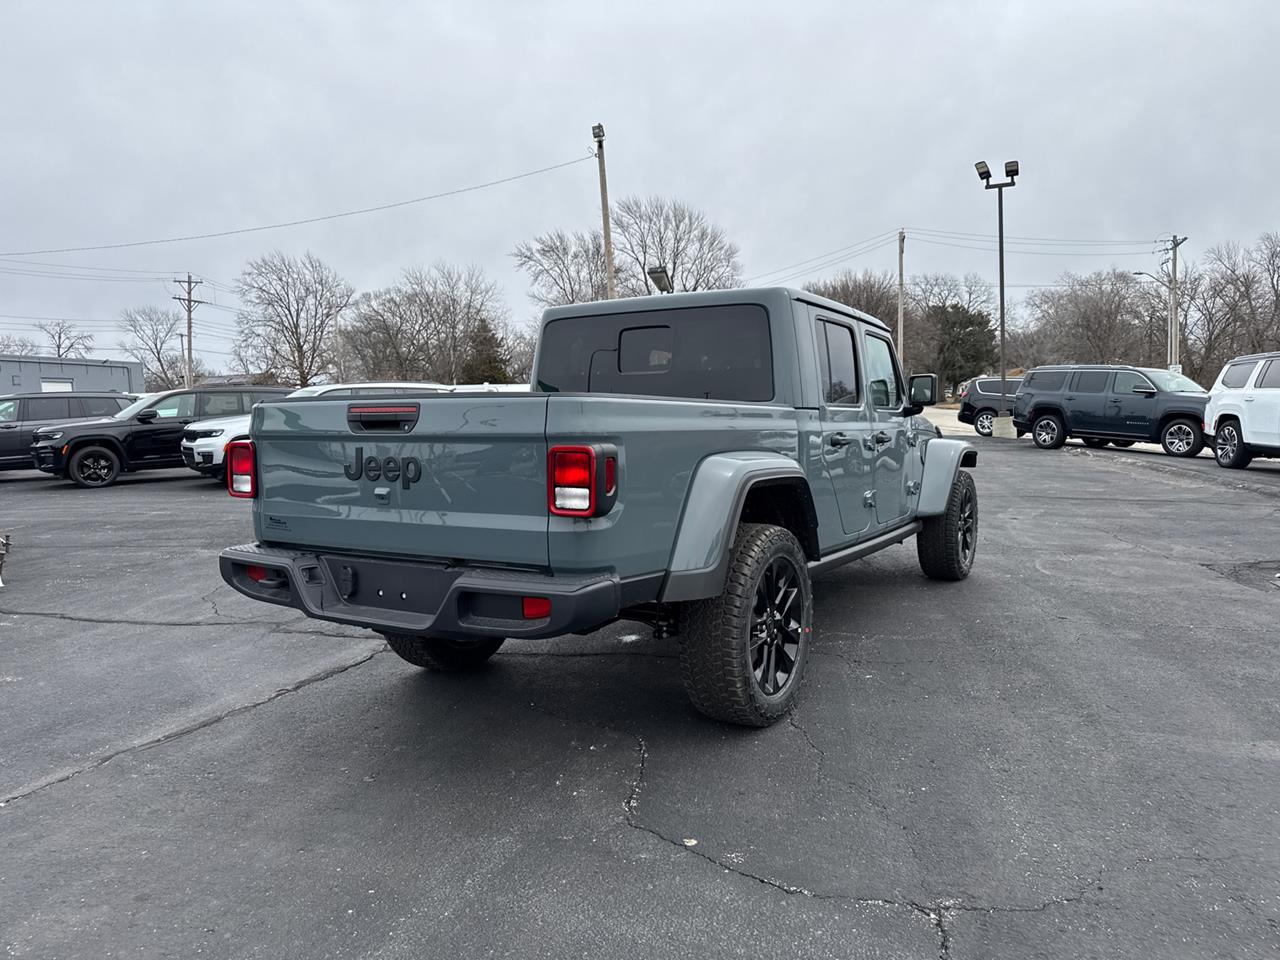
point(439, 654)
point(1095, 443)
point(1182, 438)
point(93, 467)
point(984, 423)
point(1122, 443)
point(1047, 431)
point(743, 653)
point(947, 544)
point(1229, 448)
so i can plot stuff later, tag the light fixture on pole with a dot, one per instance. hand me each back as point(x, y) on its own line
point(661, 278)
point(984, 174)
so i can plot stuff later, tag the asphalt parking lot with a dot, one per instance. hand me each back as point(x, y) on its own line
point(1073, 753)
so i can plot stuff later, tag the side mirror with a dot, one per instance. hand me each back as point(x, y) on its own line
point(146, 416)
point(922, 388)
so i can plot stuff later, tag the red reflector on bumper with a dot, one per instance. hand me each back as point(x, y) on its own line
point(536, 608)
point(256, 574)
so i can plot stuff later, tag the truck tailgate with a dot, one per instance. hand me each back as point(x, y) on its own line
point(466, 480)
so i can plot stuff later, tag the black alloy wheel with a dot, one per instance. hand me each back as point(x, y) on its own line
point(967, 529)
point(776, 627)
point(94, 467)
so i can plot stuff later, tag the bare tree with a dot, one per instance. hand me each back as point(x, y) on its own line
point(153, 342)
point(292, 307)
point(564, 267)
point(65, 339)
point(870, 291)
point(656, 231)
point(521, 343)
point(15, 346)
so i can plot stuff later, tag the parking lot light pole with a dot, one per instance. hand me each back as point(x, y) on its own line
point(984, 174)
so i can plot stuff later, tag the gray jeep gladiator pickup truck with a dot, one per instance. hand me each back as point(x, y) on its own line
point(687, 461)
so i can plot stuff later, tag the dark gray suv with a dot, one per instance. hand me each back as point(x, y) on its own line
point(1112, 404)
point(22, 413)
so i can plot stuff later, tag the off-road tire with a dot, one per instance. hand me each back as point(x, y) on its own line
point(1094, 443)
point(441, 655)
point(1229, 448)
point(1046, 438)
point(1179, 430)
point(947, 544)
point(93, 467)
point(716, 634)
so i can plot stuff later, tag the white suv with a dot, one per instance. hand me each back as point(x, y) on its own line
point(1243, 414)
point(205, 442)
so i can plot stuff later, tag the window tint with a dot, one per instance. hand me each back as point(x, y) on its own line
point(1126, 380)
point(8, 411)
point(1237, 374)
point(258, 397)
point(178, 405)
point(1270, 379)
point(1047, 380)
point(882, 375)
point(219, 404)
point(840, 380)
point(715, 353)
point(1091, 381)
point(100, 406)
point(992, 386)
point(48, 408)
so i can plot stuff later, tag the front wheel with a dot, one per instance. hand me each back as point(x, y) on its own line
point(743, 653)
point(1229, 448)
point(1048, 432)
point(947, 544)
point(985, 422)
point(94, 467)
point(441, 655)
point(1182, 438)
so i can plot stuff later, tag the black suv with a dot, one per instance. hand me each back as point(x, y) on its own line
point(145, 435)
point(1112, 404)
point(980, 401)
point(22, 413)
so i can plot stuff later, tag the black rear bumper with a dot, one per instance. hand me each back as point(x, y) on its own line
point(461, 603)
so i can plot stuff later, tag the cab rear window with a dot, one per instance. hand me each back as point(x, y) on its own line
point(699, 353)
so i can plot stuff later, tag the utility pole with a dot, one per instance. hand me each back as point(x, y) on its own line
point(597, 131)
point(1175, 328)
point(190, 303)
point(902, 242)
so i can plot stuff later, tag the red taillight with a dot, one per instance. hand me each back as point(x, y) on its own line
point(242, 469)
point(256, 574)
point(571, 487)
point(536, 608)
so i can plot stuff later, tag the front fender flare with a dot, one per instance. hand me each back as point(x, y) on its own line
point(942, 458)
point(700, 555)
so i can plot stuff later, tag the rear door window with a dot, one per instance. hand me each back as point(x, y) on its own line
point(219, 404)
point(48, 408)
point(711, 353)
point(883, 383)
point(839, 364)
point(1091, 381)
point(1237, 374)
point(178, 405)
point(99, 406)
point(1270, 379)
point(8, 411)
point(1127, 380)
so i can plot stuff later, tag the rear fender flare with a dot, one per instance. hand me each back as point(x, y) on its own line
point(942, 458)
point(704, 539)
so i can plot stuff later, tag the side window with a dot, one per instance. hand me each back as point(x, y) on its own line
point(99, 406)
point(219, 404)
point(1237, 374)
point(48, 408)
point(840, 380)
point(1127, 381)
point(883, 382)
point(8, 411)
point(178, 405)
point(1091, 381)
point(644, 350)
point(1048, 380)
point(1270, 379)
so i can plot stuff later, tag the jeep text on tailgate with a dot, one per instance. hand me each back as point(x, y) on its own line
point(687, 461)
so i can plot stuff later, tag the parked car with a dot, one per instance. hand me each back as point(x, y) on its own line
point(22, 413)
point(145, 435)
point(1243, 414)
point(204, 442)
point(980, 402)
point(685, 460)
point(1121, 405)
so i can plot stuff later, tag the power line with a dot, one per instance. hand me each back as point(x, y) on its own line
point(1032, 240)
point(888, 241)
point(1037, 253)
point(821, 256)
point(301, 222)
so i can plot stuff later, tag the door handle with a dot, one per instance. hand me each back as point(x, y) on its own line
point(8, 426)
point(1248, 399)
point(881, 438)
point(839, 440)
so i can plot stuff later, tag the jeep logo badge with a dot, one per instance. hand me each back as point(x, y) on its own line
point(408, 470)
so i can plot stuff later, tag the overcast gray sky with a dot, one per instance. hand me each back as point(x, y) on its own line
point(800, 127)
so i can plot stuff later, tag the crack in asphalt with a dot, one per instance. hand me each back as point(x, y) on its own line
point(190, 728)
point(77, 618)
